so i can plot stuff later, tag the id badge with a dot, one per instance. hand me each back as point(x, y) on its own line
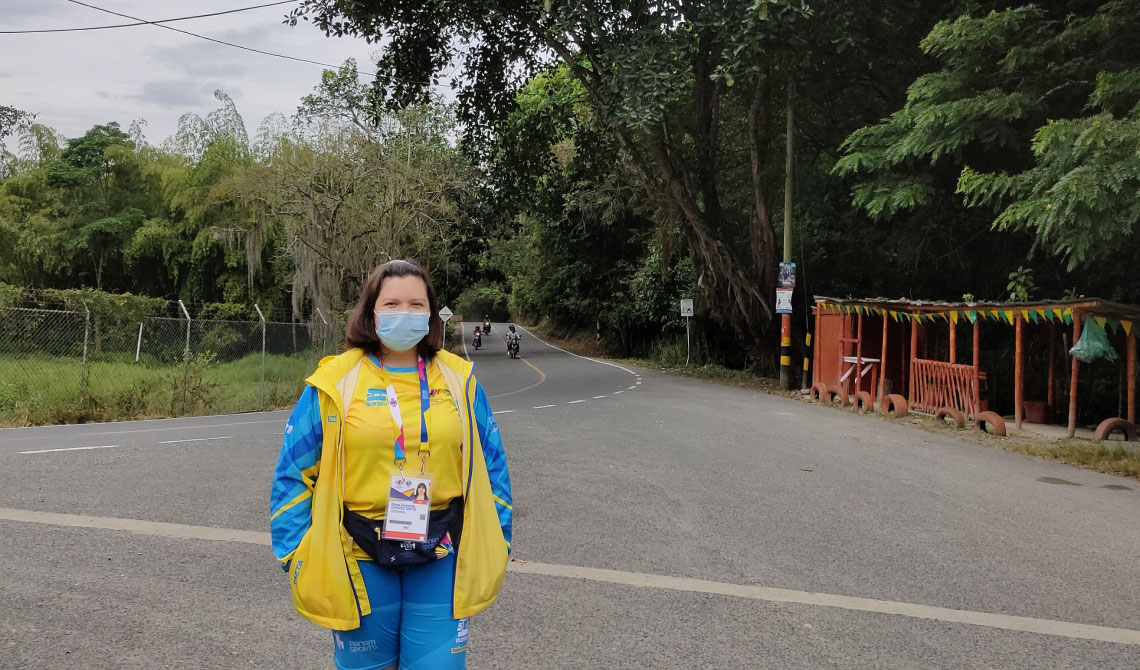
point(409, 505)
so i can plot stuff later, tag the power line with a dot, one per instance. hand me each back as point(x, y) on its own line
point(217, 41)
point(143, 23)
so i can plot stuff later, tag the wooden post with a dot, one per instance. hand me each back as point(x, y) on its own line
point(1018, 386)
point(1052, 395)
point(859, 353)
point(842, 347)
point(977, 368)
point(953, 342)
point(1131, 357)
point(883, 363)
point(913, 355)
point(1073, 377)
point(815, 350)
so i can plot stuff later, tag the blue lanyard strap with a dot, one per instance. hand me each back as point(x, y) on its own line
point(397, 416)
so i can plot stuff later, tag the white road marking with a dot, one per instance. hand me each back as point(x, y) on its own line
point(631, 387)
point(598, 396)
point(542, 407)
point(612, 365)
point(52, 451)
point(199, 439)
point(505, 411)
point(1010, 622)
point(575, 402)
point(169, 418)
point(146, 430)
point(617, 392)
point(463, 339)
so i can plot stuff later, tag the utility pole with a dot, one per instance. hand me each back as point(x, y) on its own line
point(786, 319)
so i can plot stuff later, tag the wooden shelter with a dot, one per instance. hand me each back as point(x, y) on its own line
point(874, 348)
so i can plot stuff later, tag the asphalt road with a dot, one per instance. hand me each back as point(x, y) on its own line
point(660, 522)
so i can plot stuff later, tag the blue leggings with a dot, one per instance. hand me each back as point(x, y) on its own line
point(410, 625)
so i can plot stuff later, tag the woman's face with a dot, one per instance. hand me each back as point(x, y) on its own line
point(421, 491)
point(407, 293)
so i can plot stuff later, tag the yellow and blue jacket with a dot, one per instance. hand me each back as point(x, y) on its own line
point(307, 501)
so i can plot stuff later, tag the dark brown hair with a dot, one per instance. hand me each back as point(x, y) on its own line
point(361, 329)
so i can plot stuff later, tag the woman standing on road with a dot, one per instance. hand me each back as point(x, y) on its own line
point(391, 421)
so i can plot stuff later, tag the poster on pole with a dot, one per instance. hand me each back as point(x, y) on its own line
point(785, 284)
point(783, 301)
point(687, 307)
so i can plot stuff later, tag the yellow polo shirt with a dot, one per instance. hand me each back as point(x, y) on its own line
point(369, 437)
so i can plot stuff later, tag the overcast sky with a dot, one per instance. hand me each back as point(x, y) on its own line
point(75, 80)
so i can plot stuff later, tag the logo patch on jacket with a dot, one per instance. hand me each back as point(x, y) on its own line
point(332, 418)
point(376, 398)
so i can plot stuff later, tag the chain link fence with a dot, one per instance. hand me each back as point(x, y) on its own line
point(69, 366)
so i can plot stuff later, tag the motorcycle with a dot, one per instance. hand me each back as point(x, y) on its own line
point(513, 348)
point(486, 326)
point(478, 341)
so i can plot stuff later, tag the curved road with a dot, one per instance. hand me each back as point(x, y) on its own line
point(661, 522)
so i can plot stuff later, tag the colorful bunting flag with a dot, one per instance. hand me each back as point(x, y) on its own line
point(996, 314)
point(1057, 313)
point(1041, 313)
point(954, 318)
point(1033, 316)
point(1008, 315)
point(972, 315)
point(1127, 325)
point(1100, 320)
point(1113, 325)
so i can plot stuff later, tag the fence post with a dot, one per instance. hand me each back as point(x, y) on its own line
point(185, 357)
point(138, 347)
point(324, 332)
point(86, 336)
point(262, 317)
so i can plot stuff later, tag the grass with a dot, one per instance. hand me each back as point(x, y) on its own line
point(38, 390)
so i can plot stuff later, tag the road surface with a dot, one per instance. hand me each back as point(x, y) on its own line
point(660, 522)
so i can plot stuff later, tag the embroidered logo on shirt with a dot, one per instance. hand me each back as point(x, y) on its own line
point(376, 398)
point(439, 395)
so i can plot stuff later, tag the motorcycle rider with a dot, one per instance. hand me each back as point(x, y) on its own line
point(486, 323)
point(478, 340)
point(512, 339)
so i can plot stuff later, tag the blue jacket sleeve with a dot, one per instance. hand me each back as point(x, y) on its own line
point(291, 501)
point(496, 460)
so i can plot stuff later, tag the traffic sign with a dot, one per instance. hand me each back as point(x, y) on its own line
point(445, 314)
point(687, 307)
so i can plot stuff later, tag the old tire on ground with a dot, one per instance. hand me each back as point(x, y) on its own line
point(953, 413)
point(1109, 426)
point(897, 404)
point(818, 392)
point(993, 420)
point(837, 392)
point(864, 402)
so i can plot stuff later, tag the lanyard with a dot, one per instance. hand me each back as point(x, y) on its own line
point(398, 417)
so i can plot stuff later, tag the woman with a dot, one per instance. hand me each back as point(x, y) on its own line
point(421, 494)
point(392, 405)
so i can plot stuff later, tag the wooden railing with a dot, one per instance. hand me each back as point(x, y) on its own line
point(938, 384)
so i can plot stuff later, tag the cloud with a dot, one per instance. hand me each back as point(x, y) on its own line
point(177, 93)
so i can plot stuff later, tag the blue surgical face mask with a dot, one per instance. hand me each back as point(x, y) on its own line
point(402, 330)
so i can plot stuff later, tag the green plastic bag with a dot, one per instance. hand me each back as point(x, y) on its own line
point(1093, 343)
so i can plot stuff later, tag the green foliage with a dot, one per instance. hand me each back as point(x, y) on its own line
point(1020, 284)
point(1038, 111)
point(482, 299)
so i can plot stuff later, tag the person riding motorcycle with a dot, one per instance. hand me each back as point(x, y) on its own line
point(512, 340)
point(486, 323)
point(478, 339)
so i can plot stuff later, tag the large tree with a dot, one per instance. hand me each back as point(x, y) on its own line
point(1030, 123)
point(669, 80)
